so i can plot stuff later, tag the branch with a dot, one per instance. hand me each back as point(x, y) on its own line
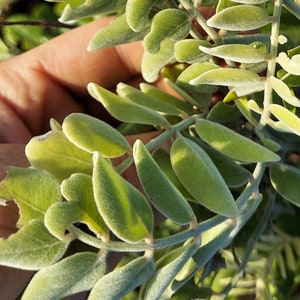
point(42, 23)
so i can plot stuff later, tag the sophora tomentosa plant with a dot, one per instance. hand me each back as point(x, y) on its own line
point(228, 172)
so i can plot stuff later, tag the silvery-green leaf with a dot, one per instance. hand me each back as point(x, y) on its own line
point(152, 63)
point(90, 8)
point(167, 269)
point(187, 50)
point(119, 282)
point(153, 91)
point(284, 91)
point(289, 119)
point(289, 187)
point(33, 190)
point(74, 274)
point(240, 18)
point(63, 157)
point(233, 144)
point(228, 77)
point(123, 207)
point(173, 24)
point(235, 52)
point(31, 248)
point(137, 13)
point(160, 190)
point(222, 113)
point(135, 95)
point(116, 33)
point(201, 178)
point(124, 109)
point(91, 134)
point(186, 78)
point(291, 65)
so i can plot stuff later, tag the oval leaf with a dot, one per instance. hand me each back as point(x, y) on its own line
point(121, 281)
point(168, 267)
point(292, 65)
point(168, 23)
point(289, 120)
point(135, 95)
point(137, 13)
point(160, 190)
point(91, 134)
point(233, 144)
point(236, 52)
point(124, 109)
point(240, 18)
point(31, 248)
point(74, 274)
point(228, 77)
point(124, 209)
point(201, 177)
point(63, 157)
point(116, 33)
point(289, 187)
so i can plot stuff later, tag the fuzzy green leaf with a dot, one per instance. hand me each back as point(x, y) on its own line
point(168, 23)
point(90, 8)
point(121, 281)
point(33, 190)
point(135, 95)
point(63, 157)
point(74, 274)
point(194, 71)
point(166, 97)
point(137, 13)
point(233, 144)
point(116, 33)
point(201, 177)
point(240, 18)
point(124, 109)
point(289, 187)
point(91, 134)
point(236, 52)
point(79, 189)
point(159, 189)
point(290, 120)
point(152, 63)
point(187, 50)
point(31, 248)
point(167, 269)
point(228, 77)
point(124, 209)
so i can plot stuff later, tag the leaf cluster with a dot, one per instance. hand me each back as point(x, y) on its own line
point(221, 165)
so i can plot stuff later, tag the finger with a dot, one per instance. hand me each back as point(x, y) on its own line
point(66, 60)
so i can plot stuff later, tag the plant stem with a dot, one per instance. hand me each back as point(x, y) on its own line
point(271, 64)
point(158, 141)
point(41, 23)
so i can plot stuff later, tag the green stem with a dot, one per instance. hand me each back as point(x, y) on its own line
point(158, 141)
point(201, 21)
point(271, 64)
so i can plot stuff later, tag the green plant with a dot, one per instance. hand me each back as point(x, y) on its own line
point(231, 171)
